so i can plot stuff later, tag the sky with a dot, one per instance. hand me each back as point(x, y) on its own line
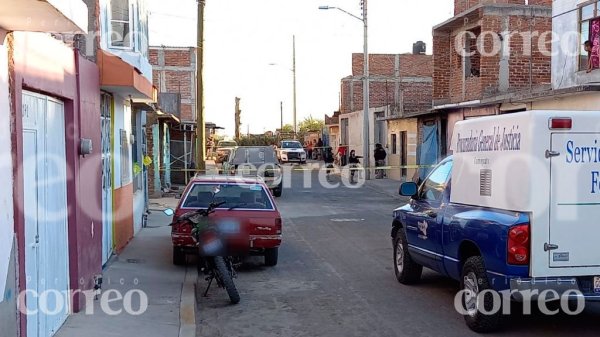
point(248, 50)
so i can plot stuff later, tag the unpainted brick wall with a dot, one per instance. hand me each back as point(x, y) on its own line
point(415, 95)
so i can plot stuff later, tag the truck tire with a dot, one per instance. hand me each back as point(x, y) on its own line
point(271, 256)
point(178, 256)
point(474, 280)
point(407, 271)
point(225, 276)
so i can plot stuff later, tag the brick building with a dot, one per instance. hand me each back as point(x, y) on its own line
point(398, 80)
point(175, 73)
point(487, 55)
point(400, 90)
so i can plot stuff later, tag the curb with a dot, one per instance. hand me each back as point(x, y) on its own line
point(187, 308)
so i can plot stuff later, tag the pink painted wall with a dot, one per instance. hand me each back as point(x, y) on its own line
point(46, 65)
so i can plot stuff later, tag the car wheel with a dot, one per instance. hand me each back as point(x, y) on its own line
point(473, 282)
point(277, 192)
point(178, 256)
point(303, 162)
point(407, 271)
point(271, 256)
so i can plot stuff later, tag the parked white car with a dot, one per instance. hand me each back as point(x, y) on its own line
point(291, 151)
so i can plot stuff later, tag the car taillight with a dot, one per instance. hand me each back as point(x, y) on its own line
point(560, 123)
point(518, 245)
point(278, 225)
point(182, 227)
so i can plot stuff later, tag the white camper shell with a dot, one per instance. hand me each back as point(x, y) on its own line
point(546, 164)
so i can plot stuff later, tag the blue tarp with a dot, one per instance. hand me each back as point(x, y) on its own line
point(429, 149)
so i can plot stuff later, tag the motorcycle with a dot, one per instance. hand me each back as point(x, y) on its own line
point(214, 256)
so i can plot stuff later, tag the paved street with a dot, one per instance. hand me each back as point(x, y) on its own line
point(335, 278)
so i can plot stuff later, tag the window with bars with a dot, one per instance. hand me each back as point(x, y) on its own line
point(589, 29)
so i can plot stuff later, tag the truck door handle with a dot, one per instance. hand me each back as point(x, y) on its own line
point(548, 247)
point(550, 154)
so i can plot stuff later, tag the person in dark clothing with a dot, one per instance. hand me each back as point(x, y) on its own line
point(353, 161)
point(320, 149)
point(328, 159)
point(380, 156)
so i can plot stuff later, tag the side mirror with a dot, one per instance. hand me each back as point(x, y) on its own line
point(408, 189)
point(169, 212)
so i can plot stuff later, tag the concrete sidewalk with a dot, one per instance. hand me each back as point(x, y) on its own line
point(146, 265)
point(386, 186)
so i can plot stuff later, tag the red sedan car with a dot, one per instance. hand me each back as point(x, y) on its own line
point(248, 208)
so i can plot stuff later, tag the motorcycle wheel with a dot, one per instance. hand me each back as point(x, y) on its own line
point(225, 275)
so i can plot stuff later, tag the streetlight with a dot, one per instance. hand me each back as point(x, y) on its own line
point(366, 150)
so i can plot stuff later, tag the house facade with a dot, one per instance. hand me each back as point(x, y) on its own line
point(127, 95)
point(400, 91)
point(48, 107)
point(488, 59)
point(175, 78)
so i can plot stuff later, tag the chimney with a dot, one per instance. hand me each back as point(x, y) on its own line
point(419, 48)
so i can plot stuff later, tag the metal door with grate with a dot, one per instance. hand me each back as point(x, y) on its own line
point(107, 224)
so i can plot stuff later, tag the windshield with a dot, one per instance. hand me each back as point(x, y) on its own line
point(238, 195)
point(291, 145)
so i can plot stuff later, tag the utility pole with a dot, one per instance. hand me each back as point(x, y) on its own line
point(238, 121)
point(281, 118)
point(200, 125)
point(294, 71)
point(366, 97)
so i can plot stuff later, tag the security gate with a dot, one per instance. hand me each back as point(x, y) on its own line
point(45, 209)
point(107, 228)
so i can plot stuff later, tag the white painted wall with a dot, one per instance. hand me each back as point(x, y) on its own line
point(139, 207)
point(6, 192)
point(355, 131)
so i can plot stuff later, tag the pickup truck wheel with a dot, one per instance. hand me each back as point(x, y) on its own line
point(178, 256)
point(277, 191)
point(473, 282)
point(407, 271)
point(271, 256)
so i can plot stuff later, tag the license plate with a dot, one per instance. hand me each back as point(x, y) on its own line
point(597, 284)
point(229, 227)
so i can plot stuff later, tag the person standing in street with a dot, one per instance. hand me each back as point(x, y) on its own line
point(328, 159)
point(320, 149)
point(380, 156)
point(341, 152)
point(353, 163)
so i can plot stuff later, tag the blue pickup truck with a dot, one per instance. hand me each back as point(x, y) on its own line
point(466, 243)
point(512, 213)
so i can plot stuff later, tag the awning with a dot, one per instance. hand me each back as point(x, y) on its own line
point(152, 117)
point(51, 16)
point(118, 76)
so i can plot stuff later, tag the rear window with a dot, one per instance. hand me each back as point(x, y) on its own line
point(240, 196)
point(253, 156)
point(227, 144)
